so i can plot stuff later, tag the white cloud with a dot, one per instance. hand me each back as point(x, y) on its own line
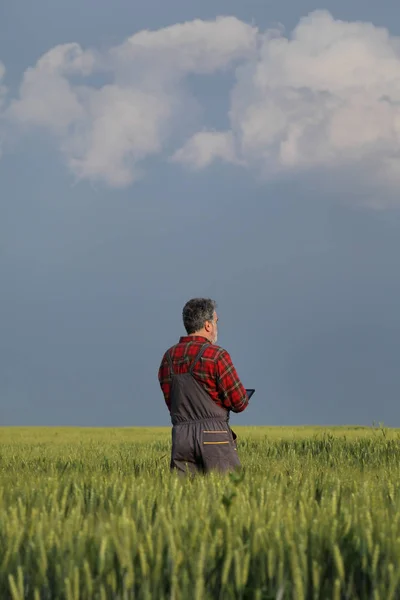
point(46, 97)
point(327, 95)
point(105, 132)
point(125, 126)
point(204, 147)
point(192, 47)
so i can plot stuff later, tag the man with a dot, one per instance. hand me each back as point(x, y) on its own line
point(201, 387)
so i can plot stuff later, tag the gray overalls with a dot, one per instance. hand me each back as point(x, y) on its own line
point(201, 437)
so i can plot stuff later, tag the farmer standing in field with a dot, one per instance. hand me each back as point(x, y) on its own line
point(201, 387)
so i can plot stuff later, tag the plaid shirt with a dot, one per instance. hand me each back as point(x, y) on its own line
point(215, 372)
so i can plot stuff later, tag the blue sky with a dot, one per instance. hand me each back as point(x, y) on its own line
point(152, 152)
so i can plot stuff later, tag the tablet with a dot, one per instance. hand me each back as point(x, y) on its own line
point(250, 393)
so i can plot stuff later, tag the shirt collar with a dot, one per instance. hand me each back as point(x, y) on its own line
point(193, 338)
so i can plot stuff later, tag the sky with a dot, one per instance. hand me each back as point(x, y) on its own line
point(151, 152)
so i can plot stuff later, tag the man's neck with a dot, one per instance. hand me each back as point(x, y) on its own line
point(201, 334)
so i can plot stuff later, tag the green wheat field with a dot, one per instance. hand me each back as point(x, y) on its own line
point(95, 513)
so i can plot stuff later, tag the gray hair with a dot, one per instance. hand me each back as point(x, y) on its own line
point(196, 312)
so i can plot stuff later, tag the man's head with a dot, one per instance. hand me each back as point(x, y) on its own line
point(200, 318)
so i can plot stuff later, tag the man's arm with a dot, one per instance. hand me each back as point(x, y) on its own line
point(230, 388)
point(164, 379)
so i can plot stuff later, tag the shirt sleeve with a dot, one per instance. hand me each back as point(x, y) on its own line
point(164, 379)
point(230, 388)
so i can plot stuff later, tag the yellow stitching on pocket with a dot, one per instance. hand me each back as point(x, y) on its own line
point(215, 431)
point(215, 442)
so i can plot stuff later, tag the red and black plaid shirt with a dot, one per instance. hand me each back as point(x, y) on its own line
point(215, 372)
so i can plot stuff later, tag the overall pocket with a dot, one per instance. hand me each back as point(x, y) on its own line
point(217, 449)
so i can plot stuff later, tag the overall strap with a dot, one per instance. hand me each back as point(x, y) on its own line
point(198, 356)
point(169, 359)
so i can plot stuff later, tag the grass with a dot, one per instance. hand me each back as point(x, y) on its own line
point(95, 513)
